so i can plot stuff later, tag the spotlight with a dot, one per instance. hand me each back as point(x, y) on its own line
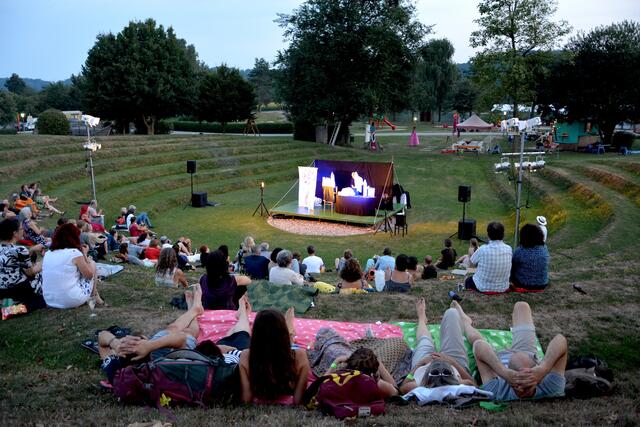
point(502, 166)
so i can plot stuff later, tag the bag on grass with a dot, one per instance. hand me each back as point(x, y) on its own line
point(345, 394)
point(182, 377)
point(588, 376)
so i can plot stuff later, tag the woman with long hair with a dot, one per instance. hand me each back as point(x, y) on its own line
point(271, 371)
point(68, 275)
point(167, 271)
point(530, 262)
point(31, 231)
point(218, 286)
point(352, 276)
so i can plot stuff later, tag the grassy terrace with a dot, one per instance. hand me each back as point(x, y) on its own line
point(592, 203)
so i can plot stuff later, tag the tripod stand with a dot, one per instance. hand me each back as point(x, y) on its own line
point(261, 205)
point(386, 223)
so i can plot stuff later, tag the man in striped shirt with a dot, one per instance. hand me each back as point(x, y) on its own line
point(493, 262)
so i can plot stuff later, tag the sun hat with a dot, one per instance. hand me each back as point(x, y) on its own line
point(541, 220)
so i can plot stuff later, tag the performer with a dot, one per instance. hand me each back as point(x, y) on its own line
point(357, 184)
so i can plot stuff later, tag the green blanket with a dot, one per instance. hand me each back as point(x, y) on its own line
point(281, 297)
point(500, 340)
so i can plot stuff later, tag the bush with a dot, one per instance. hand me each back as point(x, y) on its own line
point(267, 128)
point(53, 122)
point(623, 139)
point(163, 127)
point(7, 131)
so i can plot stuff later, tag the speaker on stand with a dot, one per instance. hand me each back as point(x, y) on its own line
point(466, 227)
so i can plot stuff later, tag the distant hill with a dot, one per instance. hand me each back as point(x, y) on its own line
point(35, 84)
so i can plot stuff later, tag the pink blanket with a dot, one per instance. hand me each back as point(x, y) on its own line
point(214, 325)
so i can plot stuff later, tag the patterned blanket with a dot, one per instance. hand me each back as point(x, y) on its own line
point(281, 297)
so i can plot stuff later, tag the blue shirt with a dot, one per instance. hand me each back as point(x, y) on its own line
point(386, 261)
point(551, 386)
point(530, 266)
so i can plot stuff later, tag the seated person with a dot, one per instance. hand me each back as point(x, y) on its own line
point(167, 271)
point(386, 261)
point(218, 286)
point(414, 269)
point(398, 280)
point(153, 250)
point(204, 253)
point(352, 277)
point(340, 262)
point(447, 256)
point(366, 361)
point(136, 229)
point(255, 265)
point(45, 202)
point(20, 277)
point(282, 274)
point(273, 257)
point(32, 232)
point(465, 260)
point(297, 265)
point(121, 220)
point(140, 218)
point(516, 373)
point(95, 214)
point(124, 256)
point(313, 262)
point(24, 201)
point(530, 262)
point(165, 242)
point(264, 250)
point(429, 270)
point(113, 240)
point(449, 366)
point(5, 212)
point(118, 353)
point(493, 262)
point(271, 371)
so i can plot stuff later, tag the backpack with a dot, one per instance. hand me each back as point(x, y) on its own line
point(345, 394)
point(588, 376)
point(182, 377)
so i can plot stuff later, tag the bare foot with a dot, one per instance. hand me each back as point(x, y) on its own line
point(247, 305)
point(188, 296)
point(242, 307)
point(197, 300)
point(421, 310)
point(466, 319)
point(290, 317)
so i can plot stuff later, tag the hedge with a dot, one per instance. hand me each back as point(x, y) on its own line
point(231, 127)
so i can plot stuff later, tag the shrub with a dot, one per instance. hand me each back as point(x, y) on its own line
point(267, 128)
point(163, 127)
point(53, 122)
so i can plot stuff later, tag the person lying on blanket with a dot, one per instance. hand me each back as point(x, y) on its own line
point(117, 353)
point(431, 369)
point(366, 361)
point(516, 373)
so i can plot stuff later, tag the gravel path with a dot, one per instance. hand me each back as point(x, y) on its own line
point(317, 228)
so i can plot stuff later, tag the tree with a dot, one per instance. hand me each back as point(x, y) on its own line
point(437, 73)
point(224, 96)
point(15, 84)
point(8, 109)
point(514, 35)
point(52, 122)
point(144, 72)
point(347, 59)
point(464, 96)
point(597, 81)
point(262, 79)
point(58, 96)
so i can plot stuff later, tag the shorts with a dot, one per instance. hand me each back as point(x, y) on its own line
point(162, 352)
point(238, 340)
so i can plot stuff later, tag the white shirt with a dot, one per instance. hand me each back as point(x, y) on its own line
point(62, 281)
point(494, 266)
point(314, 264)
point(285, 276)
point(544, 232)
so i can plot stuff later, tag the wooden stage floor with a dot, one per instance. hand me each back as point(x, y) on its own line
point(292, 210)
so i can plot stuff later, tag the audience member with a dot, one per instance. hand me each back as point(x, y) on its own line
point(264, 250)
point(530, 263)
point(140, 218)
point(282, 274)
point(414, 269)
point(273, 257)
point(5, 212)
point(340, 262)
point(465, 260)
point(255, 265)
point(493, 261)
point(365, 361)
point(447, 256)
point(313, 262)
point(165, 242)
point(398, 280)
point(352, 276)
point(152, 252)
point(45, 202)
point(167, 271)
point(95, 214)
point(218, 286)
point(296, 263)
point(386, 261)
point(68, 276)
point(124, 256)
point(32, 232)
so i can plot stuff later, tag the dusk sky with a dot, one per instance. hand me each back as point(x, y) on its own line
point(49, 39)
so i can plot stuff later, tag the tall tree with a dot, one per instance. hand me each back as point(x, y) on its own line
point(8, 109)
point(224, 96)
point(347, 58)
point(464, 96)
point(598, 80)
point(58, 96)
point(261, 77)
point(143, 73)
point(15, 84)
point(514, 36)
point(437, 71)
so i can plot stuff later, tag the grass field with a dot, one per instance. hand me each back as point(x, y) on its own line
point(592, 203)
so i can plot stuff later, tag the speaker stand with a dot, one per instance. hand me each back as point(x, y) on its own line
point(464, 210)
point(190, 201)
point(386, 223)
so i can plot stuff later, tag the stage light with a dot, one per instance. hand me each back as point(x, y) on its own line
point(502, 166)
point(262, 184)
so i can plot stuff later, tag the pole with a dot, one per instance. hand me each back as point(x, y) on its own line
point(519, 192)
point(93, 179)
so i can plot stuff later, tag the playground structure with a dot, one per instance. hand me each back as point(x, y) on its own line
point(380, 121)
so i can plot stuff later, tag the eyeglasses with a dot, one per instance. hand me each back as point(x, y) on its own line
point(440, 373)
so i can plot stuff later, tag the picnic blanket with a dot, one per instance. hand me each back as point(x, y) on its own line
point(500, 340)
point(280, 297)
point(106, 270)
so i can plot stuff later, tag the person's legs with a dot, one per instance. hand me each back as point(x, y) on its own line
point(470, 332)
point(469, 284)
point(451, 338)
point(424, 346)
point(523, 329)
point(187, 322)
point(244, 309)
point(290, 319)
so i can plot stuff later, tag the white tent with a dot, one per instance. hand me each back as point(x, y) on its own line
point(474, 123)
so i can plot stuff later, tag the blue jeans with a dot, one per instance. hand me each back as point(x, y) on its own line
point(143, 219)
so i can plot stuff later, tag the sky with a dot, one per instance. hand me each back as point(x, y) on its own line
point(49, 39)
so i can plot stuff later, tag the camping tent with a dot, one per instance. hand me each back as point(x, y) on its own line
point(474, 123)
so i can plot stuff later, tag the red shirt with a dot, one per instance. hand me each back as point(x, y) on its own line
point(134, 231)
point(152, 253)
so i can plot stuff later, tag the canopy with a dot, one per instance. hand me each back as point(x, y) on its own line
point(474, 123)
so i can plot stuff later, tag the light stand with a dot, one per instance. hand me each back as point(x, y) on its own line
point(91, 146)
point(261, 205)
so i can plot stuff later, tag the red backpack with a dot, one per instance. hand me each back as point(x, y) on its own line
point(345, 394)
point(183, 377)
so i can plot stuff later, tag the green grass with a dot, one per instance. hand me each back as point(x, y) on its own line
point(46, 378)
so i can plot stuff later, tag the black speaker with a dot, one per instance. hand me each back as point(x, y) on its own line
point(466, 229)
point(191, 166)
point(199, 199)
point(464, 193)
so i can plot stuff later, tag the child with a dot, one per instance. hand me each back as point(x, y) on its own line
point(465, 260)
point(429, 271)
point(448, 256)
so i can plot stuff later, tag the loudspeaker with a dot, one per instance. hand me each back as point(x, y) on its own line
point(199, 200)
point(191, 166)
point(466, 229)
point(464, 193)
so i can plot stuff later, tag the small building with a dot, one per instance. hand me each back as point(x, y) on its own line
point(576, 135)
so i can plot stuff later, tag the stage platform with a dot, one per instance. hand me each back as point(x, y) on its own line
point(292, 210)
